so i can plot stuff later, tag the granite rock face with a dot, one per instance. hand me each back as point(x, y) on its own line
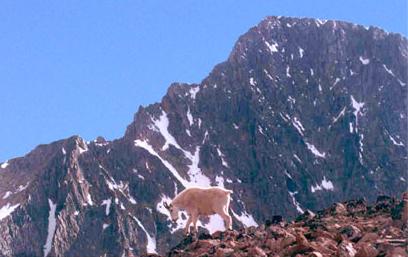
point(304, 113)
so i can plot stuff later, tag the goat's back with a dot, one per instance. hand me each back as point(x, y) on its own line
point(205, 200)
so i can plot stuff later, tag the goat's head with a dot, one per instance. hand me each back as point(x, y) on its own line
point(173, 211)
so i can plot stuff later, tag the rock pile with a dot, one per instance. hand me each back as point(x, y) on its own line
point(348, 229)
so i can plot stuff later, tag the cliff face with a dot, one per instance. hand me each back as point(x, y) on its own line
point(303, 113)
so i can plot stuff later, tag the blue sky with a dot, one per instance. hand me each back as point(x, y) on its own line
point(84, 67)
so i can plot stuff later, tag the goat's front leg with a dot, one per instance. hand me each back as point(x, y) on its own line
point(187, 227)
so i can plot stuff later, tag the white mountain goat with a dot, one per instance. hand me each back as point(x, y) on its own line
point(198, 202)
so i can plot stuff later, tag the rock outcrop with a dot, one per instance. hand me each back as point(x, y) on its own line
point(341, 230)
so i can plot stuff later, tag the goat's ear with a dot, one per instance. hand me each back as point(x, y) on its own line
point(166, 205)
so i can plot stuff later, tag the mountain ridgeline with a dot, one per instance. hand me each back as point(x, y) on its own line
point(302, 114)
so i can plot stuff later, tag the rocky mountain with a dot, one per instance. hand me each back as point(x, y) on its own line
point(303, 113)
point(349, 229)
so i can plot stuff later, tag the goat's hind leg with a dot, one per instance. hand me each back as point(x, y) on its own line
point(227, 219)
point(195, 218)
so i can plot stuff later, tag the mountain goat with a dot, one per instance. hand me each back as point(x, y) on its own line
point(198, 202)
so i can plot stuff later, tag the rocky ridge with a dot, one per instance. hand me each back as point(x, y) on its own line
point(348, 229)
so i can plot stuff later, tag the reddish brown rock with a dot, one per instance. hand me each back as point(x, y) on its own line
point(346, 249)
point(224, 252)
point(256, 252)
point(366, 250)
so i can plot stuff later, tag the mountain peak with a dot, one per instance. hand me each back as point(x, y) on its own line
point(304, 113)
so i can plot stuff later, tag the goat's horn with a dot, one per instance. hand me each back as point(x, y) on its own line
point(166, 205)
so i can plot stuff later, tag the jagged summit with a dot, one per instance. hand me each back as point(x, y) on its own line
point(303, 113)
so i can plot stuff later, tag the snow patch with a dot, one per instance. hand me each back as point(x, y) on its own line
point(360, 153)
point(215, 223)
point(336, 81)
point(131, 200)
point(82, 146)
point(4, 165)
point(402, 83)
point(388, 70)
point(364, 61)
point(7, 194)
point(51, 227)
point(245, 218)
point(220, 181)
point(320, 22)
point(149, 148)
point(273, 48)
point(287, 71)
point(221, 155)
point(267, 74)
point(357, 106)
point(21, 187)
point(324, 185)
point(104, 226)
point(301, 52)
point(287, 174)
point(297, 158)
point(162, 125)
point(6, 210)
point(252, 82)
point(89, 199)
point(108, 203)
point(197, 178)
point(151, 241)
point(339, 115)
point(295, 202)
point(194, 91)
point(314, 150)
point(392, 139)
point(298, 125)
point(190, 117)
point(260, 129)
